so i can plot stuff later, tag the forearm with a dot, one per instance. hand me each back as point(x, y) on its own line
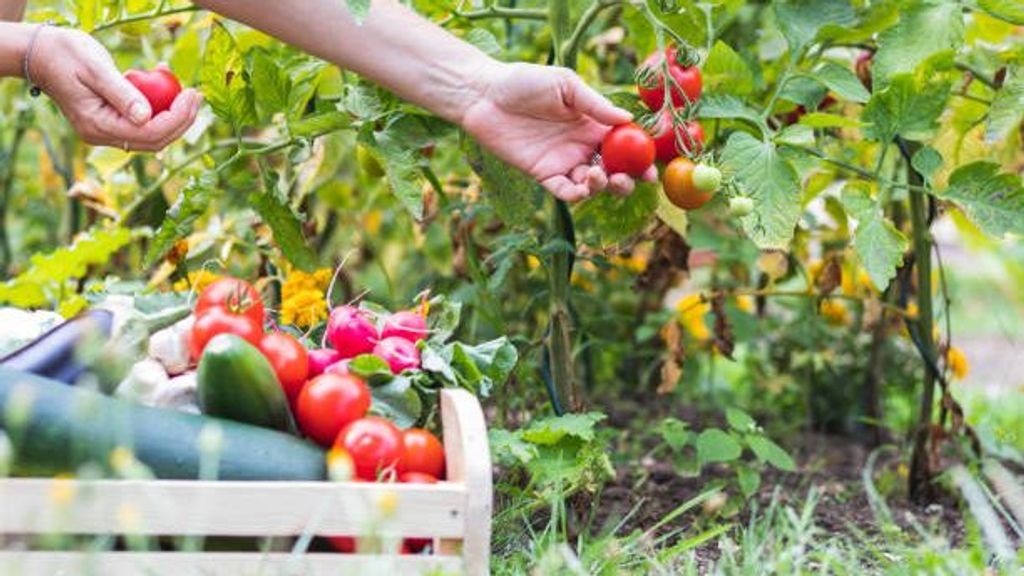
point(394, 47)
point(13, 40)
point(12, 10)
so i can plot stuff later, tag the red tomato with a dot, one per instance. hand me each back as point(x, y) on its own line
point(219, 321)
point(160, 86)
point(233, 295)
point(330, 402)
point(321, 359)
point(667, 138)
point(406, 324)
point(399, 353)
point(374, 443)
point(343, 544)
point(351, 332)
point(416, 545)
point(290, 361)
point(422, 453)
point(687, 78)
point(627, 149)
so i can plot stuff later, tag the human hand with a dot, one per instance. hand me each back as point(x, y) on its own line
point(546, 121)
point(104, 108)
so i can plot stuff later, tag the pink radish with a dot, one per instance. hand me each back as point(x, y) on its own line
point(407, 324)
point(399, 353)
point(320, 360)
point(350, 332)
point(340, 368)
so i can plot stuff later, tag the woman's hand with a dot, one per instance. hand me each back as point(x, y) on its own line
point(547, 122)
point(104, 108)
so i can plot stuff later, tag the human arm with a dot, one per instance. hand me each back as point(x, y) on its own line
point(543, 120)
point(79, 75)
point(12, 10)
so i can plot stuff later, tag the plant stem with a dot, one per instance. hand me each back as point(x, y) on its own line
point(159, 13)
point(863, 173)
point(920, 472)
point(571, 45)
point(494, 11)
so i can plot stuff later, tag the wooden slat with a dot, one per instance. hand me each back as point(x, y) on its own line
point(468, 459)
point(166, 507)
point(220, 564)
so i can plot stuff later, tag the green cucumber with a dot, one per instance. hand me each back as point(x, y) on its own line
point(237, 382)
point(55, 429)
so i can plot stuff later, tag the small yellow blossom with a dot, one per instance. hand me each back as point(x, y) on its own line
point(956, 360)
point(692, 309)
point(582, 282)
point(834, 312)
point(635, 263)
point(304, 309)
point(372, 221)
point(340, 466)
point(63, 490)
point(745, 303)
point(912, 310)
point(299, 281)
point(198, 279)
point(532, 262)
point(387, 503)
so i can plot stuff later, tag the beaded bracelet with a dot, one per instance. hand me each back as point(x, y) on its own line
point(34, 89)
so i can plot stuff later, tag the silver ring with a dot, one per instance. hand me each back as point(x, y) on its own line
point(595, 160)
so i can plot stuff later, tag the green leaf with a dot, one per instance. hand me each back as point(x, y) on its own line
point(319, 124)
point(728, 107)
point(1011, 11)
point(992, 200)
point(796, 135)
point(878, 243)
point(905, 108)
point(771, 182)
point(359, 9)
point(476, 368)
point(509, 448)
point(826, 120)
point(842, 81)
point(275, 212)
point(513, 195)
point(401, 165)
point(801, 20)
point(223, 83)
point(714, 445)
point(772, 453)
point(270, 84)
point(397, 401)
point(726, 72)
point(368, 367)
point(749, 480)
point(1007, 109)
point(926, 162)
point(739, 420)
point(484, 40)
point(804, 90)
point(930, 28)
point(192, 203)
point(675, 433)
point(552, 430)
point(616, 218)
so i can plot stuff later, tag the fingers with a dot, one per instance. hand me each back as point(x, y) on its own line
point(587, 101)
point(620, 184)
point(121, 94)
point(565, 189)
point(156, 134)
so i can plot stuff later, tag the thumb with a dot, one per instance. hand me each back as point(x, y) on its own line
point(587, 101)
point(121, 94)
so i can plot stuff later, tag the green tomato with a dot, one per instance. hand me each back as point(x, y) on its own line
point(741, 206)
point(707, 178)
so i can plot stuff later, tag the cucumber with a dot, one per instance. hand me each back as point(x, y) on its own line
point(55, 428)
point(237, 382)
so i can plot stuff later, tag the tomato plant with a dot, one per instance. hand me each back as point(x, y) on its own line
point(677, 139)
point(678, 181)
point(627, 149)
point(685, 85)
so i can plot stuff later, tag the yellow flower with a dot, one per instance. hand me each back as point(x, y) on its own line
point(834, 312)
point(692, 309)
point(304, 309)
point(745, 303)
point(299, 281)
point(635, 263)
point(198, 279)
point(532, 262)
point(912, 310)
point(582, 282)
point(372, 221)
point(956, 360)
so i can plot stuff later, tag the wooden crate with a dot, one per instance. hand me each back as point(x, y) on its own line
point(456, 514)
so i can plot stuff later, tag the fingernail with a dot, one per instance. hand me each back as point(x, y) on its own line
point(138, 112)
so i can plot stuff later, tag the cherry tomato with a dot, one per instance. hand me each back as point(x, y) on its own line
point(679, 187)
point(330, 402)
point(668, 137)
point(399, 353)
point(219, 321)
point(687, 78)
point(423, 453)
point(741, 206)
point(289, 359)
point(374, 443)
point(351, 332)
point(343, 544)
point(160, 86)
point(416, 545)
point(707, 178)
point(321, 359)
point(234, 296)
point(406, 324)
point(627, 149)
